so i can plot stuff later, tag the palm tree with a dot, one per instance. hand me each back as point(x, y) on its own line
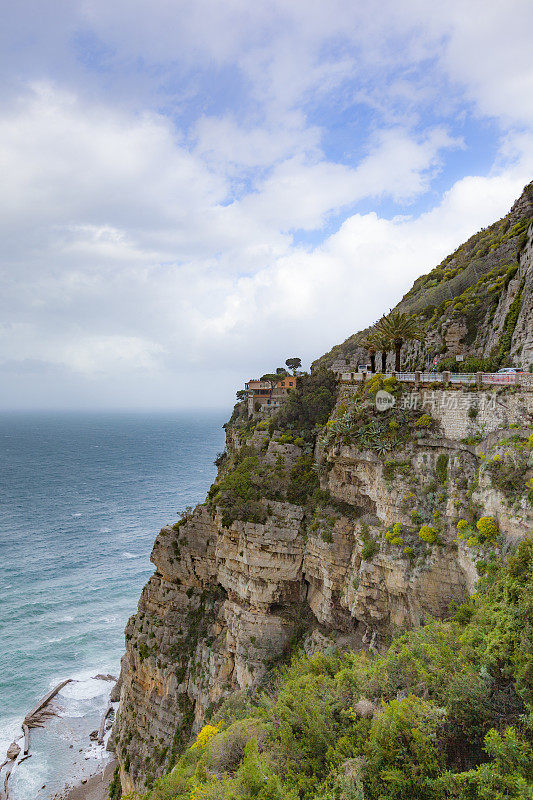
point(384, 345)
point(370, 343)
point(377, 342)
point(398, 328)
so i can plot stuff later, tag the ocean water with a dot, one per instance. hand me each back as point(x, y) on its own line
point(82, 497)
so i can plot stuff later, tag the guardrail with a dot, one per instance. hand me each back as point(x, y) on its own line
point(469, 378)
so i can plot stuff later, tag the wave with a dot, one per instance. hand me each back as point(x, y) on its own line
point(85, 689)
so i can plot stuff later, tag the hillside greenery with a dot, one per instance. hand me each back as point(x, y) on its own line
point(467, 285)
point(444, 714)
point(245, 482)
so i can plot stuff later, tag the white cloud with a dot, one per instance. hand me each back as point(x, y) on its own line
point(150, 232)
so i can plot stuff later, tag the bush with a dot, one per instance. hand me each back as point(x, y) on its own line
point(425, 421)
point(370, 548)
point(311, 403)
point(303, 480)
point(403, 755)
point(225, 750)
point(450, 704)
point(442, 468)
point(429, 534)
point(488, 529)
point(507, 473)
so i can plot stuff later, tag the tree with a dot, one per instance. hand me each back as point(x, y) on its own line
point(371, 344)
point(294, 364)
point(310, 403)
point(376, 341)
point(398, 328)
point(384, 345)
point(282, 372)
point(241, 395)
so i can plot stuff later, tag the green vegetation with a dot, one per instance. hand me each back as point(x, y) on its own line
point(246, 482)
point(425, 421)
point(488, 529)
point(241, 489)
point(441, 468)
point(115, 791)
point(429, 534)
point(294, 363)
point(357, 421)
point(370, 545)
point(486, 532)
point(508, 472)
point(466, 286)
point(397, 327)
point(449, 716)
point(303, 480)
point(310, 404)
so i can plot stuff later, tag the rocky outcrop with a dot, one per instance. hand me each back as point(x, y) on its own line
point(226, 602)
point(374, 549)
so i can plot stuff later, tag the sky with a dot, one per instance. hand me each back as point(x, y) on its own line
point(193, 191)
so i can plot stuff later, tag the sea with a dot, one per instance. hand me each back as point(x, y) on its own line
point(82, 497)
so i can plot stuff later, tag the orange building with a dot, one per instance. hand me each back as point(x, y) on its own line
point(268, 395)
point(287, 383)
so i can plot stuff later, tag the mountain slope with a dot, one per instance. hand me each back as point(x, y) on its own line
point(335, 525)
point(465, 301)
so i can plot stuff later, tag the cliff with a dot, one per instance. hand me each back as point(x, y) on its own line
point(478, 302)
point(334, 523)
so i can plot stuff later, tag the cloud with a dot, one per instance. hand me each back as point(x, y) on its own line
point(197, 188)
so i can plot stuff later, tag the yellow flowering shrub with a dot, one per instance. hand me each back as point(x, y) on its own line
point(207, 733)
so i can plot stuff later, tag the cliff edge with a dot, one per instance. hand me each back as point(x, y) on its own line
point(333, 524)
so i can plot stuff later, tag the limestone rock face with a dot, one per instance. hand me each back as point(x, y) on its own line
point(228, 599)
point(225, 602)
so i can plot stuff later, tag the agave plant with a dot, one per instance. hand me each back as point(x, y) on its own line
point(383, 446)
point(398, 328)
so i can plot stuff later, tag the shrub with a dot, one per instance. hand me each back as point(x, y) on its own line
point(303, 480)
point(453, 700)
point(115, 789)
point(220, 459)
point(311, 403)
point(403, 754)
point(488, 529)
point(225, 750)
point(425, 421)
point(507, 473)
point(429, 534)
point(394, 536)
point(370, 548)
point(442, 468)
point(206, 733)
